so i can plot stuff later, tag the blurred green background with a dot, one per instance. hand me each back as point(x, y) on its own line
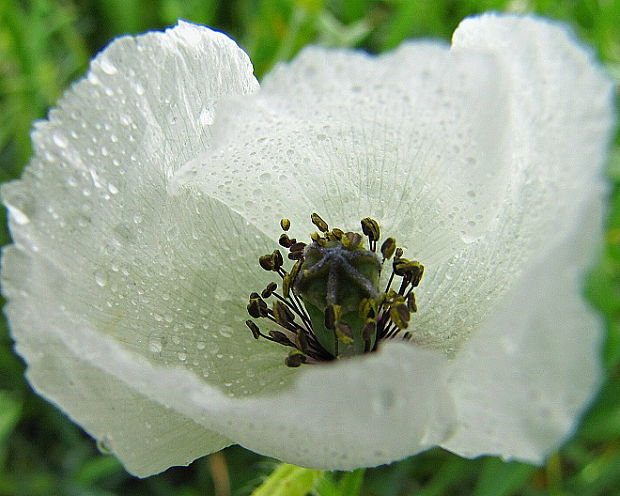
point(46, 44)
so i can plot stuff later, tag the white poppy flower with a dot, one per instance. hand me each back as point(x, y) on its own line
point(161, 177)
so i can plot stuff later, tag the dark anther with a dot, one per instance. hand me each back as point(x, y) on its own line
point(399, 252)
point(272, 261)
point(295, 247)
point(411, 305)
point(281, 338)
point(257, 306)
point(371, 229)
point(417, 276)
point(387, 248)
point(400, 315)
point(302, 342)
point(254, 308)
point(285, 241)
point(296, 251)
point(407, 268)
point(320, 223)
point(351, 240)
point(277, 259)
point(285, 224)
point(268, 291)
point(295, 359)
point(296, 255)
point(266, 262)
point(337, 233)
point(282, 314)
point(254, 328)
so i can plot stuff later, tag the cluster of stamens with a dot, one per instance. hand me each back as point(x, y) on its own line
point(329, 305)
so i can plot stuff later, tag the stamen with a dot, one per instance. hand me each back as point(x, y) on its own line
point(330, 306)
point(387, 248)
point(320, 223)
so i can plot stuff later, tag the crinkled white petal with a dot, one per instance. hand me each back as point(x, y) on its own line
point(523, 380)
point(100, 243)
point(141, 240)
point(338, 416)
point(144, 434)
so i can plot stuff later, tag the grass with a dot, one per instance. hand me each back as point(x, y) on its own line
point(45, 44)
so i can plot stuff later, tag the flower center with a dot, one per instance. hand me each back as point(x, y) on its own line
point(330, 305)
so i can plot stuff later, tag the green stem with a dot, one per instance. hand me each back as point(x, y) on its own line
point(289, 480)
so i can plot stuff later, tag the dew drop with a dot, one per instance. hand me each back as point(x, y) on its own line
point(107, 66)
point(112, 189)
point(155, 345)
point(206, 117)
point(182, 356)
point(101, 278)
point(226, 332)
point(18, 216)
point(201, 345)
point(60, 140)
point(139, 88)
point(104, 445)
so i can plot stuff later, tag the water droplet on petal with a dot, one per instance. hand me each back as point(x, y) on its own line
point(107, 66)
point(17, 215)
point(155, 345)
point(104, 445)
point(60, 140)
point(206, 117)
point(101, 278)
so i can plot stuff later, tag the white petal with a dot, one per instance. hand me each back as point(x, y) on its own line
point(145, 435)
point(338, 416)
point(528, 373)
point(523, 380)
point(101, 245)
